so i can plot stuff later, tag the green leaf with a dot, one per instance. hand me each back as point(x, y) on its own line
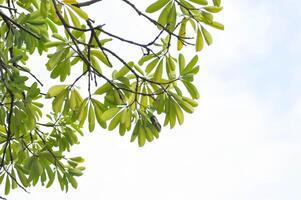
point(128, 119)
point(148, 134)
point(91, 118)
point(217, 2)
point(58, 101)
point(182, 34)
point(60, 179)
point(141, 137)
point(115, 121)
point(109, 114)
point(200, 2)
point(101, 56)
point(44, 8)
point(163, 18)
point(72, 181)
point(159, 71)
point(7, 185)
point(122, 129)
point(54, 44)
point(180, 114)
point(135, 131)
point(55, 90)
point(192, 90)
point(74, 19)
point(213, 9)
point(218, 25)
point(14, 183)
point(22, 178)
point(186, 106)
point(78, 159)
point(103, 89)
point(172, 113)
point(51, 176)
point(170, 68)
point(80, 12)
point(151, 65)
point(172, 18)
point(75, 172)
point(207, 36)
point(139, 69)
point(181, 60)
point(1, 178)
point(36, 168)
point(191, 64)
point(144, 99)
point(83, 113)
point(199, 41)
point(191, 101)
point(156, 6)
point(56, 58)
point(123, 71)
point(73, 100)
point(123, 116)
point(98, 113)
point(145, 59)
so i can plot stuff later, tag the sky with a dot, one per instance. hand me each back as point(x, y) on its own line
point(242, 143)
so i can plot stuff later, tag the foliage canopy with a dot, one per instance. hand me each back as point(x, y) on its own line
point(34, 140)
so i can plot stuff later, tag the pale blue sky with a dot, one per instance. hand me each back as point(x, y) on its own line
point(243, 142)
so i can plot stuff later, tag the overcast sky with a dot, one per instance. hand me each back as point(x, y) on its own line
point(244, 140)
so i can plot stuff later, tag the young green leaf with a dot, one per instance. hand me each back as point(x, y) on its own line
point(163, 17)
point(141, 137)
point(182, 34)
point(22, 178)
point(213, 9)
point(109, 114)
point(217, 2)
point(180, 114)
point(172, 113)
point(156, 6)
point(191, 64)
point(7, 186)
point(148, 134)
point(80, 12)
point(55, 90)
point(186, 106)
point(200, 2)
point(91, 118)
point(115, 121)
point(83, 113)
point(159, 71)
point(151, 65)
point(192, 90)
point(101, 56)
point(181, 60)
point(207, 36)
point(72, 181)
point(172, 18)
point(57, 103)
point(218, 25)
point(103, 89)
point(98, 113)
point(74, 19)
point(199, 41)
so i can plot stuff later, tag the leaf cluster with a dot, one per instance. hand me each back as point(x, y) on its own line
point(39, 123)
